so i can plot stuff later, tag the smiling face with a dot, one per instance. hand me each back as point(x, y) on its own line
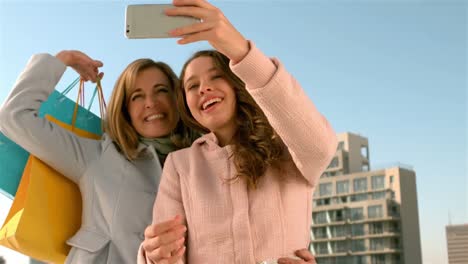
point(209, 96)
point(151, 104)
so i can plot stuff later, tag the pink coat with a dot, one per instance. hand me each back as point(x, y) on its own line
point(227, 222)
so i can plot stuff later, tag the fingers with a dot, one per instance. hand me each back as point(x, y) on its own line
point(199, 3)
point(290, 261)
point(165, 251)
point(157, 229)
point(194, 37)
point(153, 243)
point(177, 255)
point(305, 254)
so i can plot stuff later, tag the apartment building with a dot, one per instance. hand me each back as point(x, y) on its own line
point(457, 243)
point(364, 216)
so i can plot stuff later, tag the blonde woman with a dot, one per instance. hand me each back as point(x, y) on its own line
point(118, 175)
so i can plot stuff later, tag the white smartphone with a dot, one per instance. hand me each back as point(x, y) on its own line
point(149, 21)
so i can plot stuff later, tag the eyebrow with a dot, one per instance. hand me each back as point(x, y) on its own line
point(194, 76)
point(154, 86)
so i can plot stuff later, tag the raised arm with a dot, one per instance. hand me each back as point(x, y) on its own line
point(19, 120)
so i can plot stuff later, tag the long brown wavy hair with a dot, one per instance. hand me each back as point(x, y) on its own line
point(256, 146)
point(118, 124)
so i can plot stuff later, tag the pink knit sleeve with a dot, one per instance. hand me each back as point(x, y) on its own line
point(309, 137)
point(168, 202)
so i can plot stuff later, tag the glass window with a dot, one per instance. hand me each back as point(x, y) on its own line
point(376, 228)
point(339, 231)
point(359, 197)
point(378, 195)
point(357, 230)
point(377, 244)
point(360, 184)
point(322, 248)
point(320, 232)
point(364, 151)
point(340, 145)
point(337, 216)
point(378, 259)
point(325, 189)
point(356, 213)
point(339, 246)
point(334, 163)
point(374, 211)
point(358, 245)
point(320, 217)
point(342, 187)
point(378, 182)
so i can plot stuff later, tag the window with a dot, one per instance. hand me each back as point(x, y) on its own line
point(376, 228)
point(325, 189)
point(378, 196)
point(339, 246)
point(321, 248)
point(358, 245)
point(394, 227)
point(340, 145)
point(374, 211)
point(356, 213)
point(360, 184)
point(342, 187)
point(394, 211)
point(377, 244)
point(321, 202)
point(364, 167)
point(365, 152)
point(339, 231)
point(378, 259)
point(357, 230)
point(378, 182)
point(336, 215)
point(320, 217)
point(320, 232)
point(334, 163)
point(359, 197)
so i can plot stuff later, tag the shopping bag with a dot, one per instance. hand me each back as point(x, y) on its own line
point(46, 210)
point(13, 157)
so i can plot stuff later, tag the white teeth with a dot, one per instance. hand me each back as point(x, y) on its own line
point(207, 103)
point(153, 117)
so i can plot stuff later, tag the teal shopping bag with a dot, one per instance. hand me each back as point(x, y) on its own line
point(13, 157)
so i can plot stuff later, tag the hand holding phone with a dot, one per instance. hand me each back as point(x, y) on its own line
point(149, 21)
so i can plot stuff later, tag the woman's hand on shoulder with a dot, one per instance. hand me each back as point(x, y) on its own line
point(165, 242)
point(214, 28)
point(85, 66)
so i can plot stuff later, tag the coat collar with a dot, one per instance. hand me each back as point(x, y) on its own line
point(210, 143)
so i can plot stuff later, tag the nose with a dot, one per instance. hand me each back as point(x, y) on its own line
point(205, 87)
point(150, 102)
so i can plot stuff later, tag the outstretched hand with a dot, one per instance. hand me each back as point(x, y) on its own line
point(86, 67)
point(305, 258)
point(165, 242)
point(214, 28)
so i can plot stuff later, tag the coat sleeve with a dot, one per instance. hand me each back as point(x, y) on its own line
point(19, 120)
point(307, 134)
point(168, 202)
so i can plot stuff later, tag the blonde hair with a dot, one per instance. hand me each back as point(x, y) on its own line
point(256, 145)
point(118, 124)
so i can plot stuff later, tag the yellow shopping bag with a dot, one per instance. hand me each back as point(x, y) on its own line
point(46, 210)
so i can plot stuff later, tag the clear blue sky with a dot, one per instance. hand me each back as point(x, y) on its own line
point(392, 71)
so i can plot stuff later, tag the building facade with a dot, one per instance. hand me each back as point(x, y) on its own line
point(364, 216)
point(457, 243)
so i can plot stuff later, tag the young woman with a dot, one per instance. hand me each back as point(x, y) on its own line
point(244, 189)
point(118, 175)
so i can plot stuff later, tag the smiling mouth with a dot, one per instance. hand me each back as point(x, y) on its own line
point(153, 117)
point(210, 103)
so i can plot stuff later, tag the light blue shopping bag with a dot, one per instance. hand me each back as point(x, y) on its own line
point(13, 158)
